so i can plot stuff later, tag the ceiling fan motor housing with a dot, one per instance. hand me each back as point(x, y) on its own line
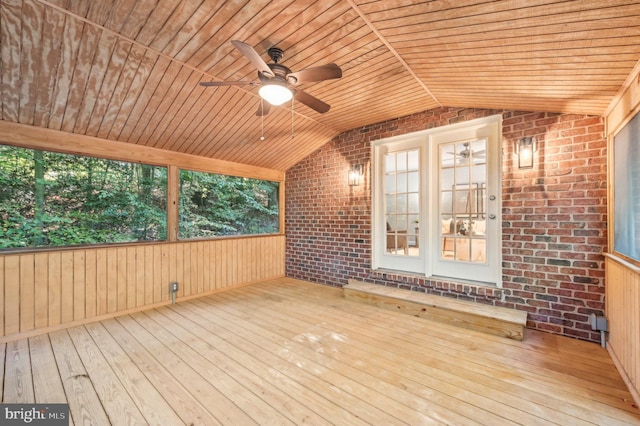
point(280, 72)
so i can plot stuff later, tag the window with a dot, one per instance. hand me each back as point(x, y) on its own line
point(626, 190)
point(216, 205)
point(52, 199)
point(437, 201)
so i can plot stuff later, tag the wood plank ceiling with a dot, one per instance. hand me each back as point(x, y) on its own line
point(129, 70)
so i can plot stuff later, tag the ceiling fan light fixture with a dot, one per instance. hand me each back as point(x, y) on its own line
point(275, 94)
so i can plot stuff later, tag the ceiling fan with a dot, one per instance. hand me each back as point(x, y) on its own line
point(467, 152)
point(277, 81)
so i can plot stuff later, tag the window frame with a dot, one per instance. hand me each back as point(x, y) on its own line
point(196, 238)
point(29, 137)
point(428, 142)
point(82, 155)
point(621, 202)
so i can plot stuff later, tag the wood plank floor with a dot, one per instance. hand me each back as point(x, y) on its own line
point(289, 352)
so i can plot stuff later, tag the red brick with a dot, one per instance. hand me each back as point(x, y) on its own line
point(589, 121)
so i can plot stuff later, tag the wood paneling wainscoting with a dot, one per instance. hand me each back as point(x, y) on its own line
point(623, 312)
point(51, 289)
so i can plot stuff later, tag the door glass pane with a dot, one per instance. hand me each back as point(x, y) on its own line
point(390, 204)
point(414, 203)
point(390, 184)
point(413, 160)
point(414, 182)
point(401, 203)
point(401, 183)
point(391, 222)
point(446, 178)
point(401, 223)
point(402, 198)
point(462, 175)
point(401, 161)
point(389, 163)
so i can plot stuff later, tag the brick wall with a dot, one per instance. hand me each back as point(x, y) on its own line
point(554, 217)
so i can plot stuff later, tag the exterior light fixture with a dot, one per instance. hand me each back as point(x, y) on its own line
point(354, 175)
point(275, 94)
point(525, 148)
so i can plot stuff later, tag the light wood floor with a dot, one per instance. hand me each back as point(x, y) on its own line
point(288, 352)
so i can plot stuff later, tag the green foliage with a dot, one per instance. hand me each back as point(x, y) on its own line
point(51, 199)
point(213, 205)
point(86, 200)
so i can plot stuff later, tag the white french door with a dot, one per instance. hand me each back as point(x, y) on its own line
point(436, 201)
point(465, 209)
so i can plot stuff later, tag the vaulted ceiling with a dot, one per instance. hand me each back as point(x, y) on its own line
point(129, 70)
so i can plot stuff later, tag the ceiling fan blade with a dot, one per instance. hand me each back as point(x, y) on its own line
point(263, 108)
point(482, 152)
point(321, 73)
point(225, 83)
point(253, 56)
point(311, 101)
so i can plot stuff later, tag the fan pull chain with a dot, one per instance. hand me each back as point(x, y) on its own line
point(262, 119)
point(292, 116)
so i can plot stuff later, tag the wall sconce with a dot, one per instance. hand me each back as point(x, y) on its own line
point(525, 148)
point(354, 175)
